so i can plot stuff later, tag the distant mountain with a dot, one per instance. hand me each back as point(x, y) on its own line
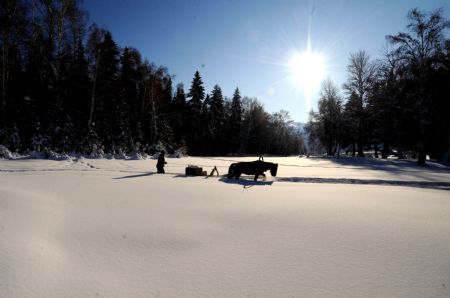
point(299, 126)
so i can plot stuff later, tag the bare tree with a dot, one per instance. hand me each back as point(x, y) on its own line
point(94, 57)
point(361, 73)
point(330, 114)
point(386, 98)
point(420, 49)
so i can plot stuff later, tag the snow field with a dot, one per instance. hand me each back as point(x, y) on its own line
point(111, 228)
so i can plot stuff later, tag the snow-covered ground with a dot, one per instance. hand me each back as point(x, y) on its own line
point(342, 227)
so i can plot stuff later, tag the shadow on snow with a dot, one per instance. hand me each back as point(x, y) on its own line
point(421, 184)
point(246, 183)
point(135, 176)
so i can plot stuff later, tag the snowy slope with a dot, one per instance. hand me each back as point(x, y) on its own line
point(112, 228)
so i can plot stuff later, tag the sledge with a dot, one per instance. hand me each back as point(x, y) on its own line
point(192, 170)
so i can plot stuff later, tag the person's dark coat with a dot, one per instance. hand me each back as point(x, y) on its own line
point(161, 162)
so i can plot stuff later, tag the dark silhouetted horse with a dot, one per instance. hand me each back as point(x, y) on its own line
point(256, 168)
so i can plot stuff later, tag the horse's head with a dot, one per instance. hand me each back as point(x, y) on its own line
point(273, 169)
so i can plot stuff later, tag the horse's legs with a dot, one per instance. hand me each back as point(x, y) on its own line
point(259, 174)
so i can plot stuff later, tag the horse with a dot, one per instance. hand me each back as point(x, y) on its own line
point(256, 168)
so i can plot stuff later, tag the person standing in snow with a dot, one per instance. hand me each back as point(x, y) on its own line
point(161, 162)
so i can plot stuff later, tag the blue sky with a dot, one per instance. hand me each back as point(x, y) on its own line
point(247, 44)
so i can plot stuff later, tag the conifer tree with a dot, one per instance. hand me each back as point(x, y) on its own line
point(235, 121)
point(127, 102)
point(13, 26)
point(164, 110)
point(194, 110)
point(206, 133)
point(106, 91)
point(351, 119)
point(216, 119)
point(178, 115)
point(76, 87)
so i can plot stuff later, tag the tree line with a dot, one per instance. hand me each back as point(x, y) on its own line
point(68, 87)
point(398, 104)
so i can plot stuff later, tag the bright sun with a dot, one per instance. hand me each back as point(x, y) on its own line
point(307, 69)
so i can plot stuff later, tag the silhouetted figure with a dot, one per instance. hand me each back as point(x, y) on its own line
point(161, 162)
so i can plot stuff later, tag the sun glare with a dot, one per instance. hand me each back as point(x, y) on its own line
point(307, 69)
